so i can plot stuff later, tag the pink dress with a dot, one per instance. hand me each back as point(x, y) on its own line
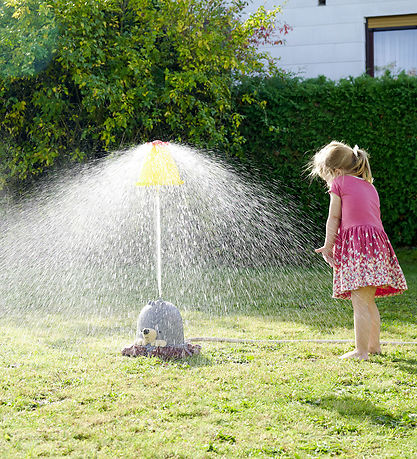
point(362, 252)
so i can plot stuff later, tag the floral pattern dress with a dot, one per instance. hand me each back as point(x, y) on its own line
point(362, 252)
point(364, 256)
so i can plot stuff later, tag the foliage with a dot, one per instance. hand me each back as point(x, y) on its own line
point(82, 78)
point(28, 34)
point(295, 118)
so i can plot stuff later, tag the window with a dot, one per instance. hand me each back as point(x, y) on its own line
point(322, 2)
point(391, 44)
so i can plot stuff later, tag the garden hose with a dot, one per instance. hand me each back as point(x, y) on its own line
point(280, 341)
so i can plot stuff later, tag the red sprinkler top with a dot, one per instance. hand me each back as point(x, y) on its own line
point(158, 143)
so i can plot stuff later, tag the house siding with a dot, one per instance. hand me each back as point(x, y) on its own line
point(329, 40)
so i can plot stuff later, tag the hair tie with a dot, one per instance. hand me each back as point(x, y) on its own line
point(355, 150)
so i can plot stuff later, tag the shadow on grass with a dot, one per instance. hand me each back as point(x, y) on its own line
point(401, 363)
point(236, 355)
point(352, 407)
point(137, 364)
point(410, 366)
point(197, 361)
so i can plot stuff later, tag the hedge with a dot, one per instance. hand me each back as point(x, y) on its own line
point(299, 117)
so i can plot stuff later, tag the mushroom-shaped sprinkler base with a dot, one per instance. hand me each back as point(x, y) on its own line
point(160, 333)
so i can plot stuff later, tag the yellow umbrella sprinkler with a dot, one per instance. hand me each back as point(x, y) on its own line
point(159, 169)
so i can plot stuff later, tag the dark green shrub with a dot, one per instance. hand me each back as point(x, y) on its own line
point(299, 117)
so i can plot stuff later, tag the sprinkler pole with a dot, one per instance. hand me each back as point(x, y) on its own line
point(158, 169)
point(158, 241)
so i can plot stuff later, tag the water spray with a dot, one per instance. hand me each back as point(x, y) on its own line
point(78, 254)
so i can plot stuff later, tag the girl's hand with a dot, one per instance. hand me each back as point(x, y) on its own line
point(327, 254)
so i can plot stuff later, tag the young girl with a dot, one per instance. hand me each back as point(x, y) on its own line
point(356, 246)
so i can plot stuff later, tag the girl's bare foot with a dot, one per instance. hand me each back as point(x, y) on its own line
point(376, 351)
point(354, 355)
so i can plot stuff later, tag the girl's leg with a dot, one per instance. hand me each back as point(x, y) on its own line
point(363, 301)
point(374, 345)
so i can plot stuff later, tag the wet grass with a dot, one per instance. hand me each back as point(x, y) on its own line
point(65, 389)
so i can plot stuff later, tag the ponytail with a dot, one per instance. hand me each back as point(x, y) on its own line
point(360, 166)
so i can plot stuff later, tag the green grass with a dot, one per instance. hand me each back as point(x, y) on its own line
point(67, 391)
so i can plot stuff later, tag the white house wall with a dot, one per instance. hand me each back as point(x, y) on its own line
point(329, 40)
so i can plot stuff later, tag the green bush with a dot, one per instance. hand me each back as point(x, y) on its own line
point(298, 117)
point(83, 78)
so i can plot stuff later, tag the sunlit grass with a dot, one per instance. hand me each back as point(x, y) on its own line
point(65, 389)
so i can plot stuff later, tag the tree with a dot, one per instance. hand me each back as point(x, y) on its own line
point(97, 75)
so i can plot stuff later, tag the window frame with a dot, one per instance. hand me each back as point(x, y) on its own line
point(369, 40)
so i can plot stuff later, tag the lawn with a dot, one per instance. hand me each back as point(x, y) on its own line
point(65, 389)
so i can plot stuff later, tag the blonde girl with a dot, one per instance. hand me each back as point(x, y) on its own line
point(356, 245)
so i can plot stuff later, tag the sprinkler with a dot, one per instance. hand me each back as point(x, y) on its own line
point(160, 330)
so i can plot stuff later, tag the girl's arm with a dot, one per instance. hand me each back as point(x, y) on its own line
point(332, 225)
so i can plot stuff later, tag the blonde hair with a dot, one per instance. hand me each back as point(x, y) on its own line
point(339, 156)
